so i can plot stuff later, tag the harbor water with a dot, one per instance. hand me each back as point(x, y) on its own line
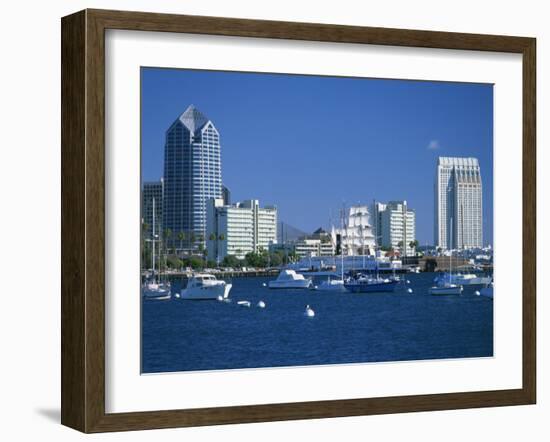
point(180, 335)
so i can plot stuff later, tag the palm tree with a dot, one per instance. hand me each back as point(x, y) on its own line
point(181, 237)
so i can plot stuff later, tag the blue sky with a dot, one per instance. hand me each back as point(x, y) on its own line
point(308, 144)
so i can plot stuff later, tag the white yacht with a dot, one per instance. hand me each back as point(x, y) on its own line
point(205, 286)
point(289, 279)
point(463, 279)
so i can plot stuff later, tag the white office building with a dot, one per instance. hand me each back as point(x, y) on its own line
point(238, 229)
point(458, 204)
point(308, 247)
point(394, 225)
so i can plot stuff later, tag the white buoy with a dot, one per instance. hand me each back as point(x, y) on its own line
point(477, 293)
point(409, 290)
point(264, 284)
point(315, 287)
point(177, 295)
point(309, 312)
point(220, 298)
point(408, 281)
point(244, 303)
point(261, 304)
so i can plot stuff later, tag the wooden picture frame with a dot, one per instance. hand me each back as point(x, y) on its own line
point(83, 220)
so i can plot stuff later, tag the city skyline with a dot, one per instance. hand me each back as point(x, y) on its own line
point(309, 158)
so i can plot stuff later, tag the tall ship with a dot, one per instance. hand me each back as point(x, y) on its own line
point(355, 237)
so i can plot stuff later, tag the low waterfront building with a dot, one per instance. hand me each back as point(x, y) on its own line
point(238, 229)
point(152, 196)
point(394, 226)
point(312, 247)
point(350, 263)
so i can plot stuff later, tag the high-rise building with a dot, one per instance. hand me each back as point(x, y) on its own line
point(396, 227)
point(458, 204)
point(192, 175)
point(239, 228)
point(377, 210)
point(152, 196)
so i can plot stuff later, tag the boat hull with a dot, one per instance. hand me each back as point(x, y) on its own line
point(442, 291)
point(376, 287)
point(331, 286)
point(206, 292)
point(156, 295)
point(299, 284)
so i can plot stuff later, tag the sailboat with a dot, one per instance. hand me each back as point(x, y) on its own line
point(367, 284)
point(331, 284)
point(153, 289)
point(445, 286)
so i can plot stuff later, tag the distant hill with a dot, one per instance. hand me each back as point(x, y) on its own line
point(287, 232)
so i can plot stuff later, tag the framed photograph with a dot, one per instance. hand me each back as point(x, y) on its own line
point(267, 221)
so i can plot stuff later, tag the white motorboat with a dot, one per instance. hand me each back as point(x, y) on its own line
point(289, 279)
point(463, 279)
point(205, 286)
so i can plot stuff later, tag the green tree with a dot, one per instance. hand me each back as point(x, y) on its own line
point(196, 262)
point(231, 261)
point(277, 258)
point(181, 237)
point(256, 259)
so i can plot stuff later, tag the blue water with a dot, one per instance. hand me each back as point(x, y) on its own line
point(347, 328)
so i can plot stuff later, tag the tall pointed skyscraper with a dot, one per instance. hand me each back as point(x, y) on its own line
point(192, 175)
point(458, 204)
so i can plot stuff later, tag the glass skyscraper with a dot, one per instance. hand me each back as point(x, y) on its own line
point(458, 204)
point(152, 198)
point(192, 175)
